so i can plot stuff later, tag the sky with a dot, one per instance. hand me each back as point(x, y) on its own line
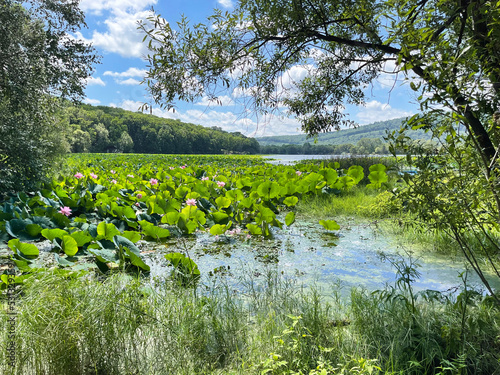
point(112, 30)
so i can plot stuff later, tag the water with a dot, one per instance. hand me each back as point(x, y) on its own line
point(309, 255)
point(292, 159)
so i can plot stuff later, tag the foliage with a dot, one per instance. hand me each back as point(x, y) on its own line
point(68, 324)
point(342, 46)
point(38, 62)
point(104, 204)
point(446, 197)
point(448, 51)
point(106, 129)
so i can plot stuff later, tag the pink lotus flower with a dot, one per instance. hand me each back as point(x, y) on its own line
point(204, 178)
point(137, 204)
point(153, 181)
point(171, 168)
point(93, 175)
point(183, 167)
point(79, 175)
point(130, 175)
point(248, 236)
point(221, 184)
point(65, 210)
point(298, 173)
point(191, 202)
point(139, 196)
point(112, 171)
point(114, 181)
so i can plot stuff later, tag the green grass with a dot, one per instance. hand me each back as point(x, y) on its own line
point(358, 202)
point(122, 325)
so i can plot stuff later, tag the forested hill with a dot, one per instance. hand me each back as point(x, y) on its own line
point(377, 130)
point(108, 129)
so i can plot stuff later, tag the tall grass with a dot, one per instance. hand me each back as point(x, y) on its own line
point(359, 201)
point(123, 325)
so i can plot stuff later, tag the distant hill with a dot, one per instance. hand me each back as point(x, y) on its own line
point(108, 129)
point(376, 130)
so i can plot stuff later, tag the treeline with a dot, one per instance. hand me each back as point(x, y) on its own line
point(365, 146)
point(346, 136)
point(108, 129)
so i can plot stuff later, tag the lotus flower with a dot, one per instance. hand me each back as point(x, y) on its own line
point(79, 175)
point(65, 210)
point(191, 202)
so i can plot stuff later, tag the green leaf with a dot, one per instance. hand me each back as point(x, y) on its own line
point(254, 229)
point(223, 202)
point(81, 238)
point(291, 201)
point(69, 245)
point(107, 231)
point(63, 261)
point(51, 234)
point(170, 218)
point(290, 218)
point(25, 250)
point(329, 224)
point(356, 172)
point(153, 231)
point(268, 189)
point(131, 235)
point(217, 229)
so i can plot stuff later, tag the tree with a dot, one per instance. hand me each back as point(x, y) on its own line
point(39, 62)
point(449, 51)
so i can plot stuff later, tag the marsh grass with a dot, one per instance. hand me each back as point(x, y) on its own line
point(360, 202)
point(125, 325)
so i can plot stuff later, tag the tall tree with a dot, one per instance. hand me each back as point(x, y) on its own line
point(39, 62)
point(448, 50)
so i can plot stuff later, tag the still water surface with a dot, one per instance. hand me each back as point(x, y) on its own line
point(308, 255)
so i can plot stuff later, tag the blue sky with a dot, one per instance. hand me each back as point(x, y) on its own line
point(112, 29)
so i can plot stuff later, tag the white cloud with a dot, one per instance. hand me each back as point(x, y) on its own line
point(98, 6)
point(128, 82)
point(226, 3)
point(91, 101)
point(377, 111)
point(228, 121)
point(122, 35)
point(130, 72)
point(95, 81)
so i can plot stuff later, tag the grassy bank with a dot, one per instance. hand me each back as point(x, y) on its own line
point(131, 326)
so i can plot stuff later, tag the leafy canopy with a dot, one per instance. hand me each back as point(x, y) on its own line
point(38, 62)
point(337, 48)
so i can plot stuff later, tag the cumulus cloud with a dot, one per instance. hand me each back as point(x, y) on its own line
point(95, 81)
point(226, 3)
point(377, 111)
point(130, 72)
point(122, 35)
point(129, 82)
point(98, 6)
point(91, 101)
point(228, 121)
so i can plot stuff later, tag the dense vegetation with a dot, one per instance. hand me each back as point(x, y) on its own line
point(89, 290)
point(365, 146)
point(107, 129)
point(74, 271)
point(37, 61)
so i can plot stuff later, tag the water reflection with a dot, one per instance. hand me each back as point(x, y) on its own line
point(307, 254)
